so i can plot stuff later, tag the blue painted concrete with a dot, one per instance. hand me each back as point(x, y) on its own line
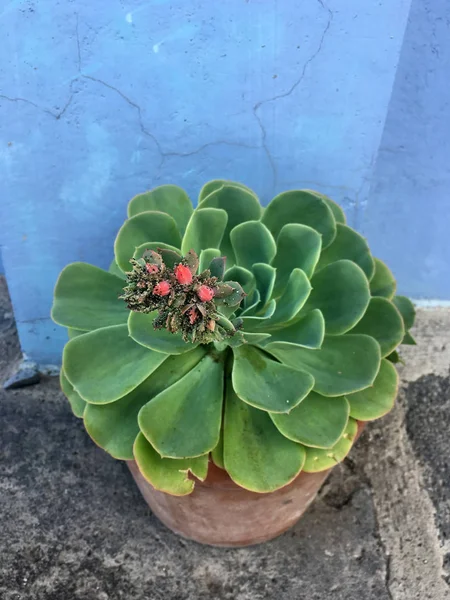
point(99, 101)
point(407, 215)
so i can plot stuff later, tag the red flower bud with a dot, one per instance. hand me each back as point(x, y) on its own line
point(193, 315)
point(205, 293)
point(151, 268)
point(211, 325)
point(183, 274)
point(162, 288)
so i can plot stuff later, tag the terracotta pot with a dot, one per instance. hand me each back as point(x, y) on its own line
point(220, 513)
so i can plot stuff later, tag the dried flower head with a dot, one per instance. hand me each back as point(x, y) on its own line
point(186, 302)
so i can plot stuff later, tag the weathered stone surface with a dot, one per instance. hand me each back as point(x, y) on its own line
point(74, 527)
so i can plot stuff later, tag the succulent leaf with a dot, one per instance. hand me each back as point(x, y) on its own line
point(73, 333)
point(256, 455)
point(206, 256)
point(350, 245)
point(77, 404)
point(322, 459)
point(383, 282)
point(344, 364)
point(240, 204)
point(114, 426)
point(298, 246)
point(265, 280)
point(205, 229)
point(317, 421)
point(167, 474)
point(338, 213)
point(114, 270)
point(243, 276)
point(106, 364)
point(308, 332)
point(341, 292)
point(184, 420)
point(167, 198)
point(216, 184)
point(378, 399)
point(295, 295)
point(150, 226)
point(86, 298)
point(252, 242)
point(141, 330)
point(267, 384)
point(383, 322)
point(217, 453)
point(300, 207)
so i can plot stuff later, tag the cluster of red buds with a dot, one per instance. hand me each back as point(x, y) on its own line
point(168, 283)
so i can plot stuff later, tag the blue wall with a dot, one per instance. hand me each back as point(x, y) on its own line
point(99, 101)
point(407, 214)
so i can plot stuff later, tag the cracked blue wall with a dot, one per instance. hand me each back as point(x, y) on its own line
point(100, 101)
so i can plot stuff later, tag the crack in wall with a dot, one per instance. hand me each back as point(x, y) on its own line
point(293, 87)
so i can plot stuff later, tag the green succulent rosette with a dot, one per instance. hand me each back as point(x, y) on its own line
point(255, 338)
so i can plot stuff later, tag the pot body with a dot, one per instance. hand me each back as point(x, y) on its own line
point(220, 513)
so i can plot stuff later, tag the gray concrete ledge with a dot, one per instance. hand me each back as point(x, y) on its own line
point(74, 527)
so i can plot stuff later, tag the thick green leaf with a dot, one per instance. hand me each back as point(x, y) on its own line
point(298, 246)
point(383, 282)
point(267, 384)
point(242, 276)
point(344, 364)
point(106, 364)
point(258, 322)
point(155, 246)
point(77, 404)
point(341, 292)
point(217, 267)
point(350, 245)
point(378, 399)
point(321, 460)
point(338, 213)
point(87, 298)
point(184, 420)
point(140, 326)
point(73, 333)
point(394, 357)
point(407, 310)
point(114, 426)
point(250, 303)
point(300, 206)
point(240, 204)
point(252, 243)
point(383, 322)
point(265, 280)
point(409, 340)
point(146, 227)
point(167, 474)
point(217, 452)
point(206, 256)
point(167, 198)
point(215, 184)
point(114, 270)
point(256, 456)
point(205, 230)
point(317, 421)
point(308, 332)
point(294, 297)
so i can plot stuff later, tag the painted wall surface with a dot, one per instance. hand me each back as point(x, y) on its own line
point(407, 214)
point(100, 101)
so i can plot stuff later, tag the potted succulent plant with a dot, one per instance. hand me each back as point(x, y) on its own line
point(231, 353)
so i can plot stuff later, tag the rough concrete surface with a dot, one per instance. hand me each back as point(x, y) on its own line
point(74, 527)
